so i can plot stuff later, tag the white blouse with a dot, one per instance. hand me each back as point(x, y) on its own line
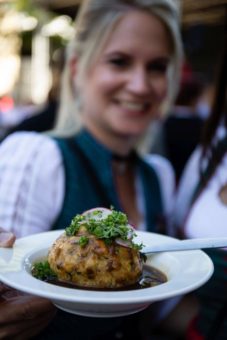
point(208, 215)
point(32, 183)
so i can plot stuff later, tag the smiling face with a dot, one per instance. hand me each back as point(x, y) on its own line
point(125, 85)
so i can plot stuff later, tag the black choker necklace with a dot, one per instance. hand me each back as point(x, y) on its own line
point(122, 163)
point(125, 159)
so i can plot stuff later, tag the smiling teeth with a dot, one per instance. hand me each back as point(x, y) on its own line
point(133, 106)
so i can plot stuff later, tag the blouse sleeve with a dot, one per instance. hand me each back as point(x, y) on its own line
point(31, 183)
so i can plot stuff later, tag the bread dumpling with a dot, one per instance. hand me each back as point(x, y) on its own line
point(97, 251)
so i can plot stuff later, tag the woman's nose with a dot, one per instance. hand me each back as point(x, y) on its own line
point(139, 82)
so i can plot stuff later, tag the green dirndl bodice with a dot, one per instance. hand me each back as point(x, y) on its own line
point(89, 181)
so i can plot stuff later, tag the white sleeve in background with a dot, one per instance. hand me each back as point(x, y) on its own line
point(207, 217)
point(31, 183)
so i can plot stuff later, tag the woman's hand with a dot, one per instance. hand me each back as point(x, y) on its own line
point(22, 316)
point(7, 238)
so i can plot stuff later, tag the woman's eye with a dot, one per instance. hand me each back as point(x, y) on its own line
point(119, 62)
point(159, 67)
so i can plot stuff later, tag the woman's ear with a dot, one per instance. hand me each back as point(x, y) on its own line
point(73, 73)
point(73, 66)
point(75, 81)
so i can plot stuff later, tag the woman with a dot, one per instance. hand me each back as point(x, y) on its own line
point(201, 210)
point(119, 71)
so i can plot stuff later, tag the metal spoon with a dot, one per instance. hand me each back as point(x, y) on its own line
point(191, 244)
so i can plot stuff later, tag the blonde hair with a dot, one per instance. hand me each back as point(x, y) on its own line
point(94, 23)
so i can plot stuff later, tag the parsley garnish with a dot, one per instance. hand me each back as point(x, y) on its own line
point(75, 225)
point(83, 241)
point(42, 271)
point(108, 228)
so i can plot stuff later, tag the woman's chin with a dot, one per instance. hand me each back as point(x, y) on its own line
point(132, 132)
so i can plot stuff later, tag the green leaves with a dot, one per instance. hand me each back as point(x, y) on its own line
point(104, 226)
point(83, 241)
point(112, 226)
point(75, 225)
point(42, 271)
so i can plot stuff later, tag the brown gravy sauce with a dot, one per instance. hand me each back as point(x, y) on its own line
point(150, 277)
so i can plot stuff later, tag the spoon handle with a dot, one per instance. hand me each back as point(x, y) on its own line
point(190, 244)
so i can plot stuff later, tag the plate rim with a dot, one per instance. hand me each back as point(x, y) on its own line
point(102, 297)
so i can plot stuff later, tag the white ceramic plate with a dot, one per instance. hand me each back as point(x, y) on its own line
point(185, 270)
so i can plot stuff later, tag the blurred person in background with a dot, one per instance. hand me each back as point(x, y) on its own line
point(43, 118)
point(183, 126)
point(6, 103)
point(201, 211)
point(179, 133)
point(206, 99)
point(120, 70)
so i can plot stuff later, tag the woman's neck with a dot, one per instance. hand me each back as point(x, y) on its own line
point(119, 144)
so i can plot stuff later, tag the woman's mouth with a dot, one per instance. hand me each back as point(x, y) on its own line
point(133, 106)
